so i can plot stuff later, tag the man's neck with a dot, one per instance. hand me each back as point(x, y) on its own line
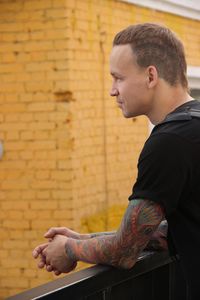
point(167, 100)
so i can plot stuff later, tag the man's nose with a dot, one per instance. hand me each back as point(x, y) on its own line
point(114, 92)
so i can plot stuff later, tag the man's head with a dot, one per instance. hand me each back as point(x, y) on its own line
point(156, 45)
point(146, 52)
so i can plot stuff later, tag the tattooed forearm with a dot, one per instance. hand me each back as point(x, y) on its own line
point(96, 234)
point(122, 248)
point(158, 240)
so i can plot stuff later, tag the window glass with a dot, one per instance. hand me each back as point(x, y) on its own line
point(195, 93)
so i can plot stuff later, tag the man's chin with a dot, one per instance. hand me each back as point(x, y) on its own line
point(128, 115)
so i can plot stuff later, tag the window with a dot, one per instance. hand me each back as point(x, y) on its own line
point(185, 8)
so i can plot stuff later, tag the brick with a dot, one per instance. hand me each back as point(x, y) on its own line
point(26, 155)
point(19, 244)
point(42, 86)
point(31, 234)
point(43, 195)
point(13, 165)
point(40, 165)
point(56, 13)
point(42, 205)
point(22, 224)
point(13, 174)
point(41, 107)
point(14, 107)
point(9, 77)
point(14, 135)
point(27, 135)
point(42, 145)
point(11, 117)
point(10, 204)
point(42, 175)
point(23, 16)
point(11, 27)
point(11, 68)
point(37, 5)
point(30, 273)
point(3, 253)
point(41, 224)
point(61, 3)
point(41, 135)
point(28, 194)
point(14, 185)
point(13, 272)
point(15, 145)
point(26, 97)
point(66, 204)
point(39, 45)
point(60, 23)
point(2, 174)
point(42, 66)
point(11, 281)
point(44, 184)
point(57, 55)
point(15, 214)
point(58, 214)
point(41, 116)
point(25, 117)
point(38, 76)
point(61, 175)
point(16, 234)
point(60, 44)
point(12, 87)
point(57, 75)
point(3, 235)
point(22, 77)
point(23, 57)
point(45, 215)
point(38, 35)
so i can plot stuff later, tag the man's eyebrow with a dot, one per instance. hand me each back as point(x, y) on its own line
point(115, 74)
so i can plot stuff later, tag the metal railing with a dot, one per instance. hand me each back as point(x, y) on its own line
point(155, 276)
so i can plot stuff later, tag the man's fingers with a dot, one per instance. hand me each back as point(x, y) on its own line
point(41, 264)
point(55, 230)
point(39, 249)
point(49, 268)
point(42, 261)
point(57, 273)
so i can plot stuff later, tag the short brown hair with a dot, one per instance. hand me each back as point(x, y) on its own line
point(156, 45)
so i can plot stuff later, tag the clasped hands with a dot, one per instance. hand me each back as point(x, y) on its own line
point(53, 254)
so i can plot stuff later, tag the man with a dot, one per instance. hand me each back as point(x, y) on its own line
point(148, 67)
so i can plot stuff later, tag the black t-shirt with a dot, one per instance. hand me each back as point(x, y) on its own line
point(169, 174)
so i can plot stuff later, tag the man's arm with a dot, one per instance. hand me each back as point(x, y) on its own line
point(120, 249)
point(158, 239)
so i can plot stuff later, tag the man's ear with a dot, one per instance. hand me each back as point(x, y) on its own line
point(152, 76)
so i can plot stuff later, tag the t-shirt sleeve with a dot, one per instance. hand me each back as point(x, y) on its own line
point(162, 171)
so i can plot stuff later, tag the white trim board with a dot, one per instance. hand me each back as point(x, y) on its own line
point(193, 74)
point(185, 8)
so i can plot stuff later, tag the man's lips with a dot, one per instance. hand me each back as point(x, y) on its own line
point(119, 103)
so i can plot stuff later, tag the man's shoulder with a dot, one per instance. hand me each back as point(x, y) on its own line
point(188, 130)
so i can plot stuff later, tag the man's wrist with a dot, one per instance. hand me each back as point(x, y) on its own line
point(69, 249)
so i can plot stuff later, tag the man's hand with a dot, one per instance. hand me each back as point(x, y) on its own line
point(57, 259)
point(37, 252)
point(52, 232)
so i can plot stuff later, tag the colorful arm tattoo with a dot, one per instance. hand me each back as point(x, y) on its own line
point(158, 239)
point(121, 248)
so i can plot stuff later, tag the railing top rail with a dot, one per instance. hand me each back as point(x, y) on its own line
point(94, 278)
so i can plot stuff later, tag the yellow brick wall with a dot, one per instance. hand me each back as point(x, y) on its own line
point(70, 156)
